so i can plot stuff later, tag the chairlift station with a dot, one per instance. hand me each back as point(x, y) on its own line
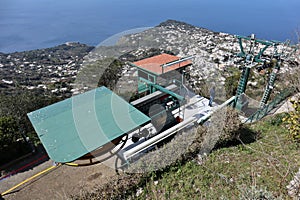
point(99, 121)
point(88, 122)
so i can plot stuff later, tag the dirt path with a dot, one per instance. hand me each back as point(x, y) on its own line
point(60, 183)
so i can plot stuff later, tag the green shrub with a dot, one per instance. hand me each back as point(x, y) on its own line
point(255, 193)
point(227, 128)
point(12, 145)
point(9, 132)
point(293, 121)
point(14, 109)
point(111, 75)
point(277, 120)
point(231, 83)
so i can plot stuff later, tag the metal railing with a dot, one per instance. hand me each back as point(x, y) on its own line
point(269, 107)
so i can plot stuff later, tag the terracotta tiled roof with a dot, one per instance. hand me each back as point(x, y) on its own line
point(153, 64)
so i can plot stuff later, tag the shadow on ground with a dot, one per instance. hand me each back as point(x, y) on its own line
point(243, 136)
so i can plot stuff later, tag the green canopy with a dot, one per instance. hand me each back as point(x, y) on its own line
point(76, 126)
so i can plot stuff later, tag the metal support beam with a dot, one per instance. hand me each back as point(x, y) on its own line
point(244, 79)
point(265, 42)
point(253, 41)
point(173, 94)
point(177, 61)
point(226, 103)
point(180, 98)
point(271, 83)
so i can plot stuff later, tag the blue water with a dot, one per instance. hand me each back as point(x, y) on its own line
point(33, 24)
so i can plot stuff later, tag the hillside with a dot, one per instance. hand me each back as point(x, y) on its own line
point(54, 70)
point(266, 163)
point(259, 165)
point(51, 69)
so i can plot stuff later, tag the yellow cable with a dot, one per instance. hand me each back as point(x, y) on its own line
point(72, 164)
point(29, 179)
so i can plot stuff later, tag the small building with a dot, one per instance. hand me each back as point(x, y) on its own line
point(160, 69)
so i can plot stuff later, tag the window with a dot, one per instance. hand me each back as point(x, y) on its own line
point(142, 74)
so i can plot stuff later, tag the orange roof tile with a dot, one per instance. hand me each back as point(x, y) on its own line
point(154, 64)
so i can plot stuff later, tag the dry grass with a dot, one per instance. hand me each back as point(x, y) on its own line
point(258, 170)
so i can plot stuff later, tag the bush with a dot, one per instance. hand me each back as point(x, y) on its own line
point(13, 114)
point(293, 121)
point(227, 128)
point(277, 120)
point(255, 193)
point(9, 132)
point(231, 84)
point(111, 75)
point(11, 144)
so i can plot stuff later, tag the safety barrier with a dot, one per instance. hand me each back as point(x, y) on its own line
point(171, 131)
point(269, 107)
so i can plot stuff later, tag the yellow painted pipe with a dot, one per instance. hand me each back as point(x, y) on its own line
point(27, 180)
point(72, 164)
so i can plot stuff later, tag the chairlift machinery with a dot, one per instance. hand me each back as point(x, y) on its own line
point(258, 60)
point(96, 125)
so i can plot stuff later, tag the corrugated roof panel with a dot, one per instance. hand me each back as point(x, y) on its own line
point(76, 126)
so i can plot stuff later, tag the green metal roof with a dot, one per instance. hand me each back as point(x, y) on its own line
point(76, 126)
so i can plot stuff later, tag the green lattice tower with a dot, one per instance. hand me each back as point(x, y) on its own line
point(242, 86)
point(250, 55)
point(243, 81)
point(270, 85)
point(253, 59)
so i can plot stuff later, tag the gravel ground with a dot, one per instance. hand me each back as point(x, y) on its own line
point(60, 183)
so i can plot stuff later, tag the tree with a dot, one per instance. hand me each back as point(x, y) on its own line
point(231, 84)
point(15, 108)
point(111, 75)
point(10, 145)
point(9, 132)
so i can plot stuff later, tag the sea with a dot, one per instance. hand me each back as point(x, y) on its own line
point(36, 24)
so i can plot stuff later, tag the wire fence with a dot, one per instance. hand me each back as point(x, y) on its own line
point(260, 113)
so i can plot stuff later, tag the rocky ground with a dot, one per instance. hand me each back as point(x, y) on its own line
point(60, 183)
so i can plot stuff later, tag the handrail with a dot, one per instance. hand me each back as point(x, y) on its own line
point(265, 110)
point(226, 103)
point(154, 140)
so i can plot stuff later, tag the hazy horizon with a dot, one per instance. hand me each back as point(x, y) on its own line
point(33, 24)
